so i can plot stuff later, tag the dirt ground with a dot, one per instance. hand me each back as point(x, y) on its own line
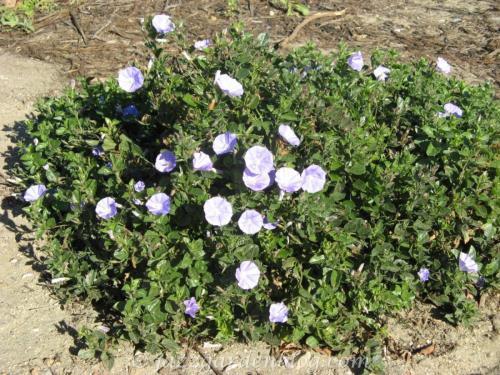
point(466, 33)
point(37, 335)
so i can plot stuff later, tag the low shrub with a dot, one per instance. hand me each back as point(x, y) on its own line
point(408, 206)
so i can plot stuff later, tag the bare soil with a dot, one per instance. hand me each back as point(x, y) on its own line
point(96, 37)
point(38, 336)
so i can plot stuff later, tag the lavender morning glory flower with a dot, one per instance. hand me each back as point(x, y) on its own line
point(278, 313)
point(202, 162)
point(35, 141)
point(98, 151)
point(191, 307)
point(481, 282)
point(467, 264)
point(46, 166)
point(224, 143)
point(268, 225)
point(108, 165)
point(355, 61)
point(257, 182)
point(34, 192)
point(106, 208)
point(423, 274)
point(139, 186)
point(250, 222)
point(452, 109)
point(158, 204)
point(130, 79)
point(228, 85)
point(202, 44)
point(288, 179)
point(165, 161)
point(130, 111)
point(313, 179)
point(443, 66)
point(259, 160)
point(163, 24)
point(381, 73)
point(288, 135)
point(247, 275)
point(218, 211)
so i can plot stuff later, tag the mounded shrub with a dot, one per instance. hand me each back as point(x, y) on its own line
point(410, 186)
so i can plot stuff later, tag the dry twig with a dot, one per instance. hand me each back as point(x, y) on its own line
point(300, 26)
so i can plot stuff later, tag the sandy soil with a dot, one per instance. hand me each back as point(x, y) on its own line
point(466, 33)
point(37, 335)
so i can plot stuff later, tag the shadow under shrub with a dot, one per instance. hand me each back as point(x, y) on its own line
point(405, 189)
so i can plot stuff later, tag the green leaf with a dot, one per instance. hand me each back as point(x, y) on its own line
point(189, 100)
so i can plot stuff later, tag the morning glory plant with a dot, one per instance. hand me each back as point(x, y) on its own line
point(250, 222)
point(443, 66)
point(247, 275)
point(106, 208)
point(130, 79)
point(278, 313)
point(35, 192)
point(158, 204)
point(224, 143)
point(355, 61)
point(163, 24)
point(328, 183)
point(290, 181)
point(259, 160)
point(228, 85)
point(165, 161)
point(218, 211)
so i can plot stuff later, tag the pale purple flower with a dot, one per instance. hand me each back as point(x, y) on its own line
point(202, 162)
point(381, 73)
point(165, 161)
point(130, 79)
point(163, 24)
point(98, 151)
point(278, 313)
point(268, 225)
point(108, 165)
point(106, 208)
point(247, 275)
point(191, 307)
point(137, 201)
point(224, 143)
point(139, 186)
point(34, 192)
point(355, 61)
point(423, 274)
point(443, 66)
point(35, 141)
point(158, 204)
point(259, 160)
point(467, 264)
point(228, 85)
point(313, 179)
point(46, 166)
point(288, 135)
point(257, 182)
point(202, 44)
point(218, 211)
point(250, 222)
point(288, 179)
point(452, 109)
